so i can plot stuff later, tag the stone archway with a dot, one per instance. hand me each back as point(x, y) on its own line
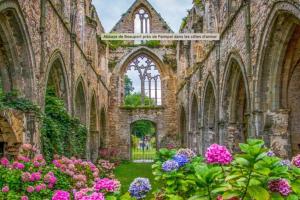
point(17, 67)
point(277, 88)
point(235, 104)
point(80, 102)
point(209, 117)
point(57, 79)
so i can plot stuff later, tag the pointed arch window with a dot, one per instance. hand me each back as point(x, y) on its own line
point(142, 21)
point(142, 82)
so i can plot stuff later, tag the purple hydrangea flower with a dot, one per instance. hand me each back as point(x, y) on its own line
point(181, 160)
point(61, 195)
point(285, 163)
point(170, 165)
point(281, 186)
point(271, 153)
point(186, 152)
point(139, 188)
point(296, 161)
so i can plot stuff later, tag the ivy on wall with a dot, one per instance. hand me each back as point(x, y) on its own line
point(60, 133)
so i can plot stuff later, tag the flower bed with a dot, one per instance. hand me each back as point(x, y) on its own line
point(30, 177)
point(255, 173)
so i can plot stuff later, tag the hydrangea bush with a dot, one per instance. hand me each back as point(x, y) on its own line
point(254, 173)
point(29, 177)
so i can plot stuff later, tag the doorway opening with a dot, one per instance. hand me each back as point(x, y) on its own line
point(143, 141)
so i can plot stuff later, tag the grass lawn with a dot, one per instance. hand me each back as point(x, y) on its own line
point(138, 154)
point(128, 171)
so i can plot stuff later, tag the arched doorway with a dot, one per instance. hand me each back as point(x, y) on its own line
point(143, 141)
point(80, 103)
point(235, 106)
point(209, 117)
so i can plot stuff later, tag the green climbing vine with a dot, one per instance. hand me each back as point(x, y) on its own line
point(60, 133)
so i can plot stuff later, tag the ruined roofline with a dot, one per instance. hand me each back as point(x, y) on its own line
point(149, 6)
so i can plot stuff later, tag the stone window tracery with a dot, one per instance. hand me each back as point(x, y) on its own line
point(146, 79)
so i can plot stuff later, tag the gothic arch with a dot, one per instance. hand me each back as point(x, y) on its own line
point(158, 59)
point(93, 129)
point(80, 100)
point(56, 77)
point(16, 54)
point(235, 102)
point(194, 113)
point(277, 88)
point(209, 114)
point(146, 11)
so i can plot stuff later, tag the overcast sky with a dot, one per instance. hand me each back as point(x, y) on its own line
point(172, 11)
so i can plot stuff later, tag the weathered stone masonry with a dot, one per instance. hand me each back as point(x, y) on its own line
point(56, 42)
point(245, 85)
point(252, 73)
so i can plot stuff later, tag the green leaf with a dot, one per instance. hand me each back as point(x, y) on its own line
point(175, 197)
point(292, 197)
point(258, 193)
point(276, 196)
point(231, 194)
point(296, 187)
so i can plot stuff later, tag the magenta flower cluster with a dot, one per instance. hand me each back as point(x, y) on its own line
point(296, 161)
point(217, 154)
point(61, 195)
point(107, 185)
point(281, 186)
point(88, 194)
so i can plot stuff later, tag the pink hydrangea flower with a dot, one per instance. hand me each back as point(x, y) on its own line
point(4, 162)
point(36, 176)
point(50, 178)
point(24, 198)
point(61, 195)
point(18, 165)
point(281, 186)
point(106, 184)
point(296, 161)
point(217, 154)
point(24, 159)
point(26, 176)
point(30, 189)
point(5, 189)
point(88, 194)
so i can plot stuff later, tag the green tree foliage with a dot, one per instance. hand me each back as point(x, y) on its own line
point(135, 100)
point(142, 128)
point(128, 86)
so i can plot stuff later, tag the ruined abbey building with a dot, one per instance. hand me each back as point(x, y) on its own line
point(246, 85)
